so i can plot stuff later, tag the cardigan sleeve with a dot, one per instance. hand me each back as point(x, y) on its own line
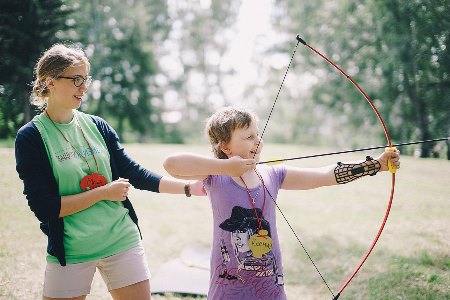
point(122, 165)
point(33, 167)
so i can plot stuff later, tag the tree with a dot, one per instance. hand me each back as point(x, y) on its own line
point(27, 28)
point(197, 43)
point(397, 50)
point(418, 71)
point(119, 38)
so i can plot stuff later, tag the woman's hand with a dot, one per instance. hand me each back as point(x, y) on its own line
point(116, 190)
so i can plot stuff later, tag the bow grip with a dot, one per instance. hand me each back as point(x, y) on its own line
point(392, 169)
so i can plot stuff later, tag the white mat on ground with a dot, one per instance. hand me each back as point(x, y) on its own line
point(188, 274)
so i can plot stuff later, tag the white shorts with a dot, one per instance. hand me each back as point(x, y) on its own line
point(119, 270)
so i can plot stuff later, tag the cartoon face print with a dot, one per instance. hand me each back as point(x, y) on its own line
point(240, 241)
point(242, 225)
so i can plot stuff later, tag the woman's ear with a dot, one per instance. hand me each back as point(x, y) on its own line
point(49, 82)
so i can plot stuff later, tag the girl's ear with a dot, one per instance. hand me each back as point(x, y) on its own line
point(225, 149)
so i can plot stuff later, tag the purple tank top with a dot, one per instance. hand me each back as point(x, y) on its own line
point(237, 271)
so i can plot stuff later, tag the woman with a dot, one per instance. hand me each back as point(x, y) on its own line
point(76, 178)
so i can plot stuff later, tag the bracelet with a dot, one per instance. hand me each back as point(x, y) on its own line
point(187, 190)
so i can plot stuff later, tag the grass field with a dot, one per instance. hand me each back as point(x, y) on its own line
point(335, 224)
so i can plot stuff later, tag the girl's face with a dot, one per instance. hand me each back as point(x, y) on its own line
point(244, 143)
point(63, 92)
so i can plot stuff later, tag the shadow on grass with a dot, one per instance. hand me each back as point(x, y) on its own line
point(176, 296)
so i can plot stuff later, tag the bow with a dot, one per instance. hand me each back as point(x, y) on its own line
point(391, 168)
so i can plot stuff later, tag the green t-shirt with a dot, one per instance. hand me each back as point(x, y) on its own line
point(105, 228)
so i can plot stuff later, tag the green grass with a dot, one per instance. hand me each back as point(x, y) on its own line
point(422, 277)
point(336, 225)
point(7, 143)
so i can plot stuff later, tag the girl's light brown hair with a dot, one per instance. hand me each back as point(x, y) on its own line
point(53, 63)
point(221, 125)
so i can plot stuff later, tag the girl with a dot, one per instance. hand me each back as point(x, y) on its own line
point(246, 257)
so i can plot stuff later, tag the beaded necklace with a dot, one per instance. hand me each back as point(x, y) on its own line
point(259, 243)
point(93, 179)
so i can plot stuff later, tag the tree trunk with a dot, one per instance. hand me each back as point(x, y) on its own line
point(26, 108)
point(415, 91)
point(448, 149)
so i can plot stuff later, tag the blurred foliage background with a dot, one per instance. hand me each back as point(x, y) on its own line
point(160, 68)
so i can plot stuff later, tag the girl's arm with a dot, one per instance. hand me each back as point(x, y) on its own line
point(192, 166)
point(310, 178)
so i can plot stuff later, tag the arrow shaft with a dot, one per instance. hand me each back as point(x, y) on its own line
point(353, 150)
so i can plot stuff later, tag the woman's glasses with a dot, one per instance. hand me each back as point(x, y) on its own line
point(78, 80)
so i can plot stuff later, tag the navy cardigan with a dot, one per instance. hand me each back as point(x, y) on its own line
point(41, 190)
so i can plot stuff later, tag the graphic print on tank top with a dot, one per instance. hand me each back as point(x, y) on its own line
point(248, 264)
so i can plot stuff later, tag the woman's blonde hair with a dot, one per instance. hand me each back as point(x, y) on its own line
point(221, 125)
point(53, 63)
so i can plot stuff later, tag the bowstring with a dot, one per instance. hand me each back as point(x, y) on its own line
point(276, 204)
point(276, 98)
point(296, 236)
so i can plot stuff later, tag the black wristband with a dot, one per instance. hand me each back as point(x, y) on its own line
point(187, 190)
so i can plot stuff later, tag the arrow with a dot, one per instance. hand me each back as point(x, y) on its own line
point(352, 150)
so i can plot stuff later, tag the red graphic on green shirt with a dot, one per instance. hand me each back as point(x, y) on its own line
point(92, 181)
